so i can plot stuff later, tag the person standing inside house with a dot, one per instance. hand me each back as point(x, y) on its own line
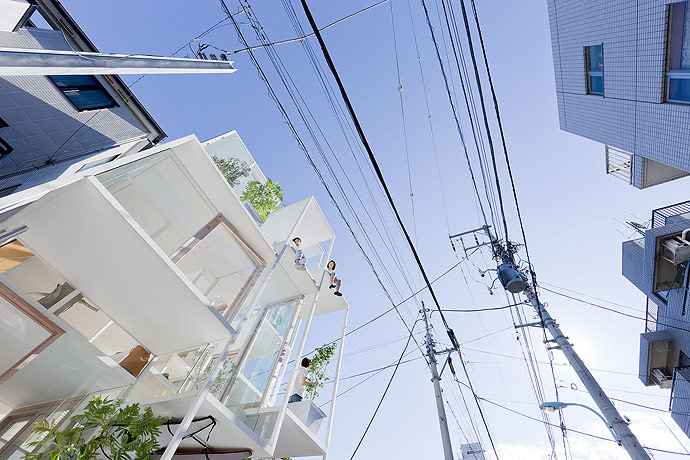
point(335, 281)
point(300, 260)
point(301, 383)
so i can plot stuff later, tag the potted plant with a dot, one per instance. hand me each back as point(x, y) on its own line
point(105, 428)
point(264, 198)
point(232, 168)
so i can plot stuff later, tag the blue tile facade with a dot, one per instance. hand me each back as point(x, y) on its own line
point(44, 128)
point(632, 114)
point(673, 323)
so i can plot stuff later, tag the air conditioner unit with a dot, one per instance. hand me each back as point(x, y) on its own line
point(675, 251)
point(663, 380)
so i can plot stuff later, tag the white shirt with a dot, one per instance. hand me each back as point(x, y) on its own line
point(298, 386)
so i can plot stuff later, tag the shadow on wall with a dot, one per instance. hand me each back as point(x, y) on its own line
point(39, 131)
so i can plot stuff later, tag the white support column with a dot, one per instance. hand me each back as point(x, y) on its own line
point(331, 414)
point(285, 351)
point(291, 380)
point(15, 61)
point(201, 395)
point(284, 368)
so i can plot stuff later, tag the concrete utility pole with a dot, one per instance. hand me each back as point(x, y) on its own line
point(616, 423)
point(436, 379)
point(52, 62)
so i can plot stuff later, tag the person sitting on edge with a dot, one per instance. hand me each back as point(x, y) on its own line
point(301, 383)
point(300, 260)
point(335, 281)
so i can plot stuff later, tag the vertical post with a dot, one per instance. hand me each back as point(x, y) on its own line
point(201, 395)
point(288, 351)
point(284, 350)
point(336, 381)
point(291, 380)
point(613, 417)
point(436, 379)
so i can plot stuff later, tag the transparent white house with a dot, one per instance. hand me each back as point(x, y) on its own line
point(147, 278)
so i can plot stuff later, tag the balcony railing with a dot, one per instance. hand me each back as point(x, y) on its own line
point(652, 316)
point(660, 216)
point(619, 163)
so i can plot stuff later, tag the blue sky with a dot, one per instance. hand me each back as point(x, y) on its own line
point(570, 208)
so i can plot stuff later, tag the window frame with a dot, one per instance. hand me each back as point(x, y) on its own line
point(97, 85)
point(5, 148)
point(593, 73)
point(676, 13)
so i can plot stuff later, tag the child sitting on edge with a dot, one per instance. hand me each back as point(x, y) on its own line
point(300, 260)
point(335, 281)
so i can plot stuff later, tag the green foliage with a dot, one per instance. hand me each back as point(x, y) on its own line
point(264, 198)
point(317, 369)
point(105, 428)
point(232, 168)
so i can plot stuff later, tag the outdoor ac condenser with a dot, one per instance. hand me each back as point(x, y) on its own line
point(675, 251)
point(662, 379)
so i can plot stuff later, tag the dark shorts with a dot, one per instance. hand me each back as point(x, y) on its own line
point(295, 398)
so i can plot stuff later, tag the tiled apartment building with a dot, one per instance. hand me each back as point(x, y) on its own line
point(622, 72)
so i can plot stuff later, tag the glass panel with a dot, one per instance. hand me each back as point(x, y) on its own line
point(256, 366)
point(176, 372)
point(595, 57)
point(33, 276)
point(97, 327)
point(219, 267)
point(161, 196)
point(11, 431)
point(679, 89)
point(596, 84)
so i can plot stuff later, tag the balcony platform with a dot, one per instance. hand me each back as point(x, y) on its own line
point(230, 433)
point(327, 303)
point(86, 236)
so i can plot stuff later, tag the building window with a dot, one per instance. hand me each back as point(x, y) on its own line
point(3, 123)
point(594, 66)
point(93, 164)
point(8, 190)
point(4, 148)
point(84, 92)
point(678, 54)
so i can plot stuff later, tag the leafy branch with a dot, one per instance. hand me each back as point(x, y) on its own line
point(104, 428)
point(317, 369)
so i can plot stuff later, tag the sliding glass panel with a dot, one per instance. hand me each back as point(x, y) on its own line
point(220, 268)
point(162, 197)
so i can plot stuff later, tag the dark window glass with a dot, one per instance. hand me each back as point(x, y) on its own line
point(3, 123)
point(678, 60)
point(8, 190)
point(4, 148)
point(84, 91)
point(594, 66)
point(683, 360)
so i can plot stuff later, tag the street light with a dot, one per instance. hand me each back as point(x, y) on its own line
point(551, 406)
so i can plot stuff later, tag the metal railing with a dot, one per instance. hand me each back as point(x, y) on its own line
point(661, 215)
point(652, 316)
point(619, 163)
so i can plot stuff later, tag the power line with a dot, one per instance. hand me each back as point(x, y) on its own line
point(377, 169)
point(385, 392)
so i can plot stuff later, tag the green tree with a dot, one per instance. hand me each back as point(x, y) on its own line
point(264, 198)
point(232, 168)
point(121, 433)
point(317, 369)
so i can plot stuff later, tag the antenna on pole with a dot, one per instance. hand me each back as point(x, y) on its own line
point(436, 380)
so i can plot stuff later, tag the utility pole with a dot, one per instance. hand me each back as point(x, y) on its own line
point(436, 379)
point(514, 281)
point(616, 423)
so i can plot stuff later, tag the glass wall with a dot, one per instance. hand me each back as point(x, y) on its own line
point(162, 197)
